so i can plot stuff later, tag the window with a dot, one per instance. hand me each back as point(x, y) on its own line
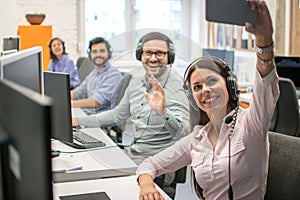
point(163, 14)
point(110, 18)
point(124, 22)
point(104, 18)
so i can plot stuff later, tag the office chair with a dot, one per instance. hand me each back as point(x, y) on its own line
point(286, 115)
point(284, 169)
point(84, 67)
point(126, 79)
point(184, 182)
point(117, 96)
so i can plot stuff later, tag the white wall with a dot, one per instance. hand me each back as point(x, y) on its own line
point(61, 14)
point(198, 23)
point(8, 19)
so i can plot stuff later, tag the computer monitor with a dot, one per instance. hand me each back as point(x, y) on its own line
point(57, 86)
point(11, 43)
point(226, 55)
point(289, 67)
point(24, 67)
point(26, 155)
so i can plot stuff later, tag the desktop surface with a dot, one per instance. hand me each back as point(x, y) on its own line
point(102, 162)
point(116, 188)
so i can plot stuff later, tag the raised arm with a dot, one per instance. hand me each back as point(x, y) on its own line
point(263, 32)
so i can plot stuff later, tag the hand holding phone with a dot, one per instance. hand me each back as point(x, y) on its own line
point(235, 12)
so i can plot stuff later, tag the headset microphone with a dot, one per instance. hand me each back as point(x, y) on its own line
point(230, 193)
point(149, 86)
point(160, 65)
point(228, 119)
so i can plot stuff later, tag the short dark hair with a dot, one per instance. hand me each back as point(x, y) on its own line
point(156, 36)
point(98, 40)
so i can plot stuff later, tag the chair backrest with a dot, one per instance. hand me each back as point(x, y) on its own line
point(119, 93)
point(284, 168)
point(84, 66)
point(186, 175)
point(286, 115)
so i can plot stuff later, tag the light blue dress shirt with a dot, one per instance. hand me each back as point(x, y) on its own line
point(66, 65)
point(100, 86)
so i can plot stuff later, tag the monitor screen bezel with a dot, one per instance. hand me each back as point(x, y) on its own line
point(57, 86)
point(287, 66)
point(26, 155)
point(15, 40)
point(17, 56)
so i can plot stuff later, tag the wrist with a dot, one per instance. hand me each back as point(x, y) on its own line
point(264, 49)
point(266, 61)
point(162, 113)
point(144, 179)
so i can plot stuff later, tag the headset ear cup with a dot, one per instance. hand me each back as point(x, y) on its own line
point(89, 55)
point(171, 57)
point(138, 54)
point(171, 52)
point(138, 51)
point(232, 88)
point(110, 50)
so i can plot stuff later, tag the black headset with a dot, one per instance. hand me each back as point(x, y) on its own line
point(153, 36)
point(231, 81)
point(98, 40)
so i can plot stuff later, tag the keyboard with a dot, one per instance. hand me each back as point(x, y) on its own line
point(81, 138)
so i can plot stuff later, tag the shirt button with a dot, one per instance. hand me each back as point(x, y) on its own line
point(142, 104)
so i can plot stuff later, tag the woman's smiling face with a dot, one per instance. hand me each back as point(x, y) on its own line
point(209, 90)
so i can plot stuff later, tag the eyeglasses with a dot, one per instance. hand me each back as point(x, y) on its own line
point(158, 54)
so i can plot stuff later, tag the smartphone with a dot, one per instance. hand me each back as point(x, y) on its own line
point(235, 12)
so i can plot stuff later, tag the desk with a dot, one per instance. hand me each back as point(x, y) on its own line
point(244, 99)
point(102, 162)
point(116, 188)
point(78, 112)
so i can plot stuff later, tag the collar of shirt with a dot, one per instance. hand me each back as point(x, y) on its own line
point(62, 60)
point(162, 79)
point(103, 69)
point(200, 129)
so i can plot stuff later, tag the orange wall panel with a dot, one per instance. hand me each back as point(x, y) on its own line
point(36, 35)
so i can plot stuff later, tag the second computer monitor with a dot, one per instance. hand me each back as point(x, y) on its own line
point(11, 43)
point(57, 86)
point(289, 67)
point(226, 55)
